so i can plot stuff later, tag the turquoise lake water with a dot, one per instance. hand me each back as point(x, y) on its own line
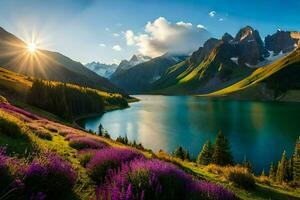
point(259, 131)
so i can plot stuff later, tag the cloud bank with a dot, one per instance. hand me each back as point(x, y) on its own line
point(117, 48)
point(162, 36)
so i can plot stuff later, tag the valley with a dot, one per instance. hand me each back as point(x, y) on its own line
point(145, 100)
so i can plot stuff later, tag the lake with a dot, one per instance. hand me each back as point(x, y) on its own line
point(259, 131)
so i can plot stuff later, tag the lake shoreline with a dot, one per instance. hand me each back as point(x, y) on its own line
point(107, 109)
point(247, 124)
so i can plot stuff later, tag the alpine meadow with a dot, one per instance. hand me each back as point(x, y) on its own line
point(149, 100)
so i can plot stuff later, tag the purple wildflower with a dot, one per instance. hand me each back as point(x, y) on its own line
point(9, 107)
point(154, 179)
point(51, 175)
point(109, 159)
point(86, 143)
point(73, 136)
point(212, 191)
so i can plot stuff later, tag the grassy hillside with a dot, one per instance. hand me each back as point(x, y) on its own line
point(277, 81)
point(215, 71)
point(60, 162)
point(19, 87)
point(47, 65)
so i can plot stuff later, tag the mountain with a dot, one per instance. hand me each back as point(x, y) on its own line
point(218, 64)
point(276, 81)
point(282, 41)
point(102, 69)
point(125, 64)
point(137, 79)
point(48, 65)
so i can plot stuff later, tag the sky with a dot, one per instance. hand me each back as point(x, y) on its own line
point(112, 30)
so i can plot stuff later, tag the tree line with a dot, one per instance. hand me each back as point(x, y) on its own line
point(218, 153)
point(287, 170)
point(69, 101)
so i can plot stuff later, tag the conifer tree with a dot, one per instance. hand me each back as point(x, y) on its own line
point(272, 172)
point(205, 156)
point(282, 169)
point(290, 164)
point(263, 173)
point(247, 164)
point(181, 153)
point(296, 163)
point(222, 153)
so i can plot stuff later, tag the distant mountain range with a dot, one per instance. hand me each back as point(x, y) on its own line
point(138, 78)
point(126, 65)
point(47, 65)
point(218, 64)
point(102, 69)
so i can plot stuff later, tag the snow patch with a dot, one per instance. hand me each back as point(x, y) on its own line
point(268, 60)
point(155, 78)
point(235, 60)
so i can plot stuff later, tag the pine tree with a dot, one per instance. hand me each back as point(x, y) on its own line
point(290, 164)
point(205, 156)
point(263, 173)
point(247, 164)
point(181, 153)
point(222, 153)
point(282, 169)
point(296, 163)
point(272, 172)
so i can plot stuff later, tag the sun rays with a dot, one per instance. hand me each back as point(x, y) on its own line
point(31, 47)
point(26, 57)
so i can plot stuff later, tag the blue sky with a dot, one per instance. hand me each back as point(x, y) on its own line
point(87, 30)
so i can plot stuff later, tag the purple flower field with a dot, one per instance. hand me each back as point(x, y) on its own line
point(13, 109)
point(116, 173)
point(154, 179)
point(86, 143)
point(109, 159)
point(49, 176)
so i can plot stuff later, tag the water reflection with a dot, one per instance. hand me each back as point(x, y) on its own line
point(260, 131)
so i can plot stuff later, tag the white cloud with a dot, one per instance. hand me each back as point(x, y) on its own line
point(130, 38)
point(102, 45)
point(221, 19)
point(162, 36)
point(115, 61)
point(212, 13)
point(117, 48)
point(107, 29)
point(116, 34)
point(201, 26)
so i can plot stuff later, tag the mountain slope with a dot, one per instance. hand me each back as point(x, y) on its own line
point(138, 78)
point(221, 63)
point(43, 94)
point(275, 81)
point(45, 64)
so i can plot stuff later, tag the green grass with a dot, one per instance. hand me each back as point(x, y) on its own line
point(260, 192)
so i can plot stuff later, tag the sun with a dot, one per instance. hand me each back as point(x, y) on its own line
point(31, 47)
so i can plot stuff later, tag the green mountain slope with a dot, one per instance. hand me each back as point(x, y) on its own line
point(212, 72)
point(47, 65)
point(276, 81)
